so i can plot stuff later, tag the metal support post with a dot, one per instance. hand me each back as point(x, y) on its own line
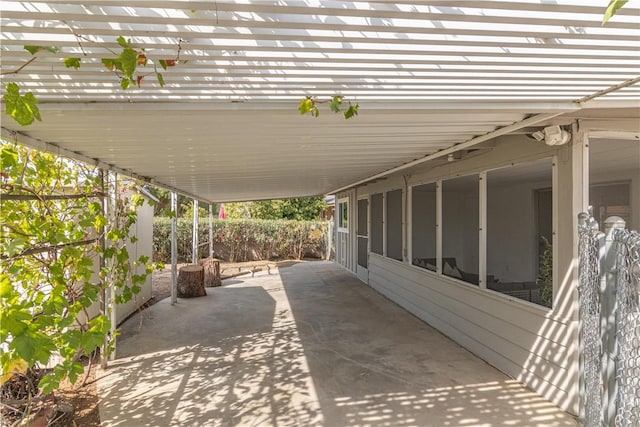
point(103, 245)
point(194, 250)
point(210, 230)
point(112, 208)
point(174, 248)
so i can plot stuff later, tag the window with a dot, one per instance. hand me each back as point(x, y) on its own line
point(460, 228)
point(519, 231)
point(394, 224)
point(611, 199)
point(363, 239)
point(343, 216)
point(423, 226)
point(377, 225)
point(614, 180)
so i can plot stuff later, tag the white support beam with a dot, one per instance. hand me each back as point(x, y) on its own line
point(112, 196)
point(174, 248)
point(210, 230)
point(482, 237)
point(379, 107)
point(439, 227)
point(462, 146)
point(49, 147)
point(385, 239)
point(104, 297)
point(195, 243)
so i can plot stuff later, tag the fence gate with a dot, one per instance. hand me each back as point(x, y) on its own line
point(609, 295)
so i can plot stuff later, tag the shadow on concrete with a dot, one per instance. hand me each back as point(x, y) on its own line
point(373, 363)
point(310, 346)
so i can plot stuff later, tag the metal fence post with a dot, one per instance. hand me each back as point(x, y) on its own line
point(591, 243)
point(608, 319)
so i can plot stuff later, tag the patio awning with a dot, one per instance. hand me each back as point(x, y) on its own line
point(225, 125)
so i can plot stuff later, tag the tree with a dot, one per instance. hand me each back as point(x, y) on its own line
point(301, 209)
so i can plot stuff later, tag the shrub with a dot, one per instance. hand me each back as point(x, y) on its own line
point(238, 240)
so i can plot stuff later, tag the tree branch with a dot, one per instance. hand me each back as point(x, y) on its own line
point(23, 197)
point(32, 251)
point(20, 68)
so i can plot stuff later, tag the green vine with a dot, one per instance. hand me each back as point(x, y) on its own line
point(127, 64)
point(309, 105)
point(50, 240)
point(545, 273)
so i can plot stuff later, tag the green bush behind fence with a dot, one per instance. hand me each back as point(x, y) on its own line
point(238, 240)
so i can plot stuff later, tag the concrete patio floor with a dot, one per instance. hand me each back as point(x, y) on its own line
point(308, 345)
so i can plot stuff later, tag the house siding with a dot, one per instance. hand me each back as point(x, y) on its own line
point(522, 340)
point(534, 344)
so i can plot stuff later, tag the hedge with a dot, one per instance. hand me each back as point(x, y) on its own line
point(239, 240)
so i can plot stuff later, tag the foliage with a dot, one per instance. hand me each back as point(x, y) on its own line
point(22, 108)
point(309, 104)
point(203, 212)
point(184, 204)
point(612, 9)
point(545, 273)
point(125, 64)
point(52, 226)
point(301, 209)
point(243, 239)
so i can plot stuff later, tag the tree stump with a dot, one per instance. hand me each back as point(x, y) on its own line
point(211, 272)
point(191, 281)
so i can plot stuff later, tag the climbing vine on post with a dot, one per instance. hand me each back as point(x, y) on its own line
point(50, 241)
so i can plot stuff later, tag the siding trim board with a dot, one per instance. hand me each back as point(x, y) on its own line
point(493, 305)
point(498, 349)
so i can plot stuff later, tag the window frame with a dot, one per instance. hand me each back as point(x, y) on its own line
point(342, 220)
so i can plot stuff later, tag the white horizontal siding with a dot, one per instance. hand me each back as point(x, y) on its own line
point(523, 341)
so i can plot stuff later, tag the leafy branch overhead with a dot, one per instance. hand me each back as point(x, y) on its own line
point(309, 104)
point(22, 108)
point(612, 9)
point(126, 64)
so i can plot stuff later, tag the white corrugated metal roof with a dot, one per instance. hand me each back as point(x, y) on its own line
point(225, 125)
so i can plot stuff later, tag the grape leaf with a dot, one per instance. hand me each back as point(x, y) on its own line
point(72, 62)
point(35, 49)
point(23, 109)
point(335, 104)
point(129, 59)
point(612, 8)
point(123, 42)
point(306, 105)
point(351, 111)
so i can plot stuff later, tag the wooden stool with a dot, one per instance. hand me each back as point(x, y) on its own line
point(191, 281)
point(211, 272)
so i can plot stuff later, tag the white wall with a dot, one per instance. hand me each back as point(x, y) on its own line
point(143, 230)
point(536, 345)
point(526, 342)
